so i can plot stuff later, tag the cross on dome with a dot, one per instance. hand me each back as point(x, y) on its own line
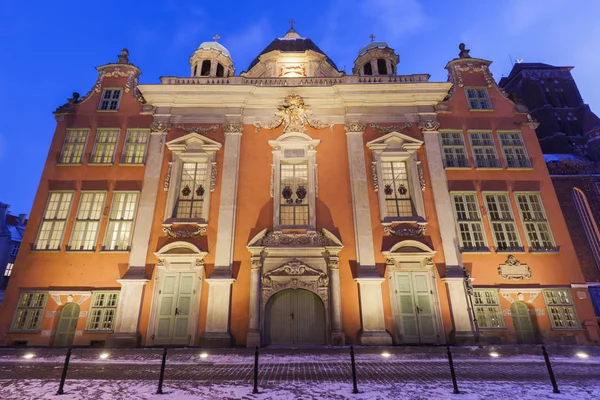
point(292, 22)
point(216, 37)
point(372, 37)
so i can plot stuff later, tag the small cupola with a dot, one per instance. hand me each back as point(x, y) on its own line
point(376, 58)
point(212, 59)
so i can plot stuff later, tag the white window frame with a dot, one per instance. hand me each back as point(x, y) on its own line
point(53, 221)
point(486, 163)
point(503, 222)
point(85, 218)
point(107, 102)
point(464, 247)
point(294, 204)
point(192, 148)
point(558, 302)
point(73, 144)
point(14, 250)
point(103, 146)
point(106, 311)
point(8, 269)
point(454, 146)
point(483, 103)
point(487, 304)
point(536, 223)
point(113, 218)
point(197, 193)
point(399, 147)
point(294, 148)
point(508, 145)
point(33, 313)
point(129, 159)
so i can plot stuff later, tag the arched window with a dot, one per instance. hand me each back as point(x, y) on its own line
point(589, 224)
point(205, 71)
point(382, 67)
point(196, 70)
point(368, 69)
point(220, 70)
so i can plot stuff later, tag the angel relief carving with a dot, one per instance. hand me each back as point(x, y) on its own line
point(294, 116)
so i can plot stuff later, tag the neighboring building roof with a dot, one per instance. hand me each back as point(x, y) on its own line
point(563, 157)
point(518, 67)
point(215, 46)
point(15, 227)
point(293, 43)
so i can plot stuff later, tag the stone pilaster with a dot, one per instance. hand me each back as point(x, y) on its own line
point(220, 281)
point(337, 332)
point(253, 335)
point(132, 284)
point(453, 277)
point(372, 318)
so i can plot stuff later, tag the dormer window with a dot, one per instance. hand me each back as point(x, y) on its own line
point(111, 97)
point(191, 180)
point(478, 98)
point(294, 181)
point(396, 173)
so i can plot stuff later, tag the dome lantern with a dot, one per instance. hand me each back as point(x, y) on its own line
point(376, 58)
point(211, 59)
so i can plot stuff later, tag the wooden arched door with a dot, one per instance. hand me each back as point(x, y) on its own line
point(67, 323)
point(295, 317)
point(522, 322)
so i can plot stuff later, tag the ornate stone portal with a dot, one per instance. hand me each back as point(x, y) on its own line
point(282, 261)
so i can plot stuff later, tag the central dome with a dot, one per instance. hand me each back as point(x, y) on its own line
point(292, 42)
point(215, 46)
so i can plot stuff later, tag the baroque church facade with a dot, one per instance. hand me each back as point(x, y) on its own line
point(294, 204)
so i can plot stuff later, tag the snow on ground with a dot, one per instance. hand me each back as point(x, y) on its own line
point(132, 390)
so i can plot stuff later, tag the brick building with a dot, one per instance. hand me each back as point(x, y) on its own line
point(293, 204)
point(568, 133)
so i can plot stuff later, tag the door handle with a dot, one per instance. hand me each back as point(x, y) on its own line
point(292, 315)
point(176, 311)
point(419, 309)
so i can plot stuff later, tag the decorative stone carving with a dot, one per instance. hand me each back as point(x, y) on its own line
point(198, 129)
point(429, 261)
point(430, 125)
point(374, 175)
point(442, 106)
point(160, 126)
point(83, 298)
point(508, 297)
point(533, 296)
point(199, 263)
point(316, 181)
point(294, 268)
point(355, 127)
point(52, 314)
point(294, 116)
point(280, 239)
point(56, 298)
point(402, 230)
point(213, 176)
point(47, 332)
point(256, 263)
point(333, 263)
point(168, 177)
point(83, 314)
point(184, 233)
point(393, 128)
point(272, 180)
point(471, 68)
point(59, 118)
point(233, 128)
point(421, 175)
point(513, 269)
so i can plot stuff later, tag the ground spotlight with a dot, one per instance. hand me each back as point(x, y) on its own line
point(385, 354)
point(104, 356)
point(28, 356)
point(494, 354)
point(203, 355)
point(581, 354)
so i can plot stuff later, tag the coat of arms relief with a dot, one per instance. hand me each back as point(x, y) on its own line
point(294, 115)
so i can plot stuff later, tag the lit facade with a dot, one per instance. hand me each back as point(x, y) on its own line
point(295, 205)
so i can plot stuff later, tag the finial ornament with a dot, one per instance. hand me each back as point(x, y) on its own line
point(124, 57)
point(292, 22)
point(372, 37)
point(216, 37)
point(464, 52)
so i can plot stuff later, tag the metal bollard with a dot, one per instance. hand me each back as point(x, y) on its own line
point(452, 372)
point(550, 372)
point(354, 386)
point(162, 372)
point(255, 390)
point(64, 373)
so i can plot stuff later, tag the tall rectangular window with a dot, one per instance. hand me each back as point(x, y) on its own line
point(134, 151)
point(105, 146)
point(468, 220)
point(561, 309)
point(54, 221)
point(478, 99)
point(514, 150)
point(30, 310)
point(8, 270)
point(396, 189)
point(535, 222)
point(487, 309)
point(15, 249)
point(502, 222)
point(74, 146)
point(87, 221)
point(110, 99)
point(120, 223)
point(102, 312)
point(484, 150)
point(455, 154)
point(294, 190)
point(190, 201)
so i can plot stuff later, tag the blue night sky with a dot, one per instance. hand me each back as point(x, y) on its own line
point(50, 49)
